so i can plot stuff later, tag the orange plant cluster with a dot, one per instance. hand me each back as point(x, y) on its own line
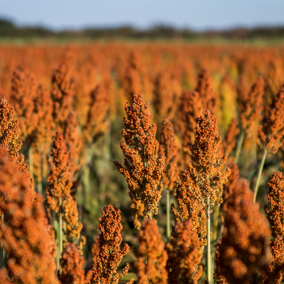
point(184, 255)
point(243, 249)
point(151, 255)
point(143, 167)
point(170, 147)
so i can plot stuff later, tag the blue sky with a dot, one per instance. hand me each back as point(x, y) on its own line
point(198, 14)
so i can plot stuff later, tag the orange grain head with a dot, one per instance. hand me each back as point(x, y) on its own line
point(110, 253)
point(143, 168)
point(151, 255)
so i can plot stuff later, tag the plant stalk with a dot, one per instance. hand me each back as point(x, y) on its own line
point(86, 182)
point(259, 173)
point(208, 242)
point(239, 145)
point(168, 215)
point(39, 187)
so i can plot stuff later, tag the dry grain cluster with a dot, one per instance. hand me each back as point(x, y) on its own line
point(141, 163)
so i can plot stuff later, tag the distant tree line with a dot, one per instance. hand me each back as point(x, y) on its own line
point(9, 29)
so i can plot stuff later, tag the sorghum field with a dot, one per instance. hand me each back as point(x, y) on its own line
point(141, 163)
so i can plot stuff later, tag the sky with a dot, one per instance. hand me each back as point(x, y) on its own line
point(197, 14)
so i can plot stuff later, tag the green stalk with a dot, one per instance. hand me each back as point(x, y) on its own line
point(103, 167)
point(239, 145)
point(86, 181)
point(168, 215)
point(39, 187)
point(259, 173)
point(208, 242)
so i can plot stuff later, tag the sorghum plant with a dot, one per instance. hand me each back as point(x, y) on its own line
point(271, 132)
point(43, 135)
point(150, 266)
point(25, 236)
point(9, 140)
point(226, 107)
point(199, 188)
point(73, 140)
point(228, 189)
point(184, 254)
point(275, 215)
point(229, 186)
point(97, 115)
point(202, 171)
point(164, 95)
point(85, 78)
point(110, 252)
point(274, 79)
point(96, 125)
point(219, 269)
point(190, 107)
point(23, 91)
point(62, 92)
point(95, 252)
point(169, 149)
point(250, 108)
point(130, 79)
point(143, 167)
point(205, 89)
point(58, 194)
point(243, 251)
point(229, 141)
point(134, 78)
point(59, 176)
point(71, 262)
